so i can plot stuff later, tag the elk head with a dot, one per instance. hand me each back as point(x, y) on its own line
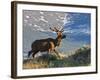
point(60, 35)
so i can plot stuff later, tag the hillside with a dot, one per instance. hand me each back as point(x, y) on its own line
point(81, 57)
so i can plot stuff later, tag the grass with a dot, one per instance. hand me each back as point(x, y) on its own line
point(80, 58)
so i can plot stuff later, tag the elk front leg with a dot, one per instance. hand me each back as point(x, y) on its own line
point(34, 53)
point(49, 51)
point(57, 53)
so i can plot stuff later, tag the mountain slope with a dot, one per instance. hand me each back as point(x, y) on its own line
point(80, 58)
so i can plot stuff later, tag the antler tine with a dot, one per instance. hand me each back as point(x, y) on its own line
point(56, 29)
point(52, 29)
point(62, 29)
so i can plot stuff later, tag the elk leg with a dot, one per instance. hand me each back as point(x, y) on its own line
point(34, 53)
point(49, 51)
point(56, 53)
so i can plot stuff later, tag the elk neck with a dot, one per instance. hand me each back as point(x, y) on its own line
point(58, 40)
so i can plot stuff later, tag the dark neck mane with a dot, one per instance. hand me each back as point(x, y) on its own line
point(56, 40)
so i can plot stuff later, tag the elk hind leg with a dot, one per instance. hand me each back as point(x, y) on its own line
point(29, 53)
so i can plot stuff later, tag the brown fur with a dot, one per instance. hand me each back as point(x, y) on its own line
point(48, 44)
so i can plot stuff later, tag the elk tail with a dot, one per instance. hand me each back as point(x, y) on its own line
point(29, 53)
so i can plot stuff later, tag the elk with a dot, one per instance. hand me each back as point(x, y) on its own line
point(48, 44)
